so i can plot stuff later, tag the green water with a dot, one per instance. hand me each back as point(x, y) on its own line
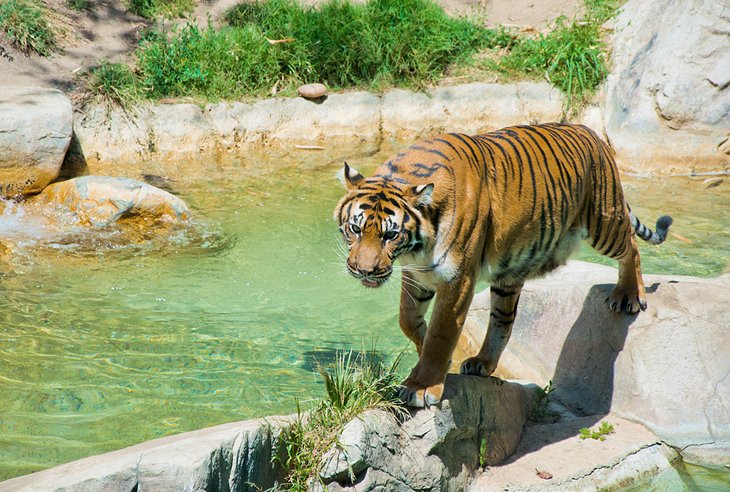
point(104, 345)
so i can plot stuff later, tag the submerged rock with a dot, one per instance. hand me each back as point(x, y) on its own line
point(98, 201)
point(666, 368)
point(35, 132)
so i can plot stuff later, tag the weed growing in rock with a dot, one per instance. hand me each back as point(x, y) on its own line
point(165, 8)
point(26, 24)
point(603, 430)
point(356, 382)
point(540, 412)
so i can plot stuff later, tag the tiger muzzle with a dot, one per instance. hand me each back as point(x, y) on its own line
point(372, 277)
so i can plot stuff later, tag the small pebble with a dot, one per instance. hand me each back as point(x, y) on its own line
point(312, 91)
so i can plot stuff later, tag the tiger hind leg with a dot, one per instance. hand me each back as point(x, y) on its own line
point(501, 318)
point(629, 294)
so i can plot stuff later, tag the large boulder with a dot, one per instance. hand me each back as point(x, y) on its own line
point(98, 201)
point(478, 422)
point(666, 368)
point(35, 132)
point(667, 97)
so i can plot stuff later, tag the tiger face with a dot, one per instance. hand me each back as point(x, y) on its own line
point(380, 219)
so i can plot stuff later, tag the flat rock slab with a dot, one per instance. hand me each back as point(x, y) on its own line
point(35, 132)
point(627, 456)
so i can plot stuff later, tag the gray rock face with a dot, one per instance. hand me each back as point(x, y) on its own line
point(667, 97)
point(666, 368)
point(35, 132)
point(236, 457)
point(437, 448)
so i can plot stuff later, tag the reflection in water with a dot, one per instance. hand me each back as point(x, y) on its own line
point(104, 344)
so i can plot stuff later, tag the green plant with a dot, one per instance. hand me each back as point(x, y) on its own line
point(78, 5)
point(603, 430)
point(356, 383)
point(483, 452)
point(26, 24)
point(540, 412)
point(166, 8)
point(602, 10)
point(113, 84)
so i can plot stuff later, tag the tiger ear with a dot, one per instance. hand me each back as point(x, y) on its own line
point(422, 194)
point(350, 177)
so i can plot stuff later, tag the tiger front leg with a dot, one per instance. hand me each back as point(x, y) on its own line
point(501, 318)
point(425, 385)
point(414, 302)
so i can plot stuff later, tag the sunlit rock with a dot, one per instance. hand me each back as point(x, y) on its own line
point(98, 201)
point(312, 91)
point(667, 102)
point(666, 368)
point(478, 422)
point(35, 132)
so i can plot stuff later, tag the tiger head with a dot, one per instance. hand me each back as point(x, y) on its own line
point(381, 218)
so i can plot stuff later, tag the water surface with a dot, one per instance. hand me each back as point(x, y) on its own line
point(104, 345)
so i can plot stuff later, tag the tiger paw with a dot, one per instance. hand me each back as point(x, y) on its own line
point(625, 300)
point(414, 395)
point(474, 366)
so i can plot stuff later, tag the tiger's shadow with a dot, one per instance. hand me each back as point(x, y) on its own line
point(583, 379)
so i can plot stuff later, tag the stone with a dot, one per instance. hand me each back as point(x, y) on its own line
point(35, 132)
point(667, 103)
point(469, 108)
point(312, 91)
point(625, 459)
point(644, 368)
point(235, 456)
point(98, 201)
point(437, 448)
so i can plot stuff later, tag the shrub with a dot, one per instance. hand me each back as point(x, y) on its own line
point(113, 84)
point(78, 5)
point(26, 24)
point(166, 8)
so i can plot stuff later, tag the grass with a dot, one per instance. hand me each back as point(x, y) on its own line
point(356, 383)
point(600, 435)
point(540, 411)
point(169, 9)
point(26, 24)
point(113, 84)
point(378, 44)
point(78, 5)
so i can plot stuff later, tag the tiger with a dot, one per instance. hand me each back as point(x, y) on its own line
point(504, 206)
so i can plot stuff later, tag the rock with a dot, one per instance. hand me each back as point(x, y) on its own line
point(667, 103)
point(312, 91)
point(236, 456)
point(626, 459)
point(98, 201)
point(644, 368)
point(437, 448)
point(469, 108)
point(35, 131)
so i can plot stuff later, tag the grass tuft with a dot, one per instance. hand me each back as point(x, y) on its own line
point(113, 84)
point(600, 435)
point(26, 24)
point(356, 383)
point(78, 5)
point(169, 9)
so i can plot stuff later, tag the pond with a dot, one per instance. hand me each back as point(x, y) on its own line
point(104, 345)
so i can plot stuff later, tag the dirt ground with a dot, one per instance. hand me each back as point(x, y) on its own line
point(109, 31)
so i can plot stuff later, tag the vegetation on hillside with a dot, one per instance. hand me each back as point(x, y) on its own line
point(27, 25)
point(165, 8)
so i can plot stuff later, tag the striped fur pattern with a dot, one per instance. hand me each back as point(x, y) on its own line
point(505, 206)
